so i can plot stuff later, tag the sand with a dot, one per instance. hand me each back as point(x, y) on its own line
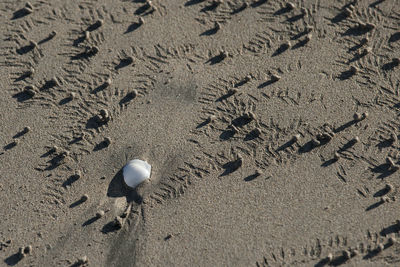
point(271, 128)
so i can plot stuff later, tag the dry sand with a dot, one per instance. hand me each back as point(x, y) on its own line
point(271, 127)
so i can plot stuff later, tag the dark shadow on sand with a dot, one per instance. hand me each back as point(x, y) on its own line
point(90, 221)
point(100, 146)
point(65, 101)
point(133, 27)
point(381, 192)
point(347, 74)
point(265, 84)
point(394, 37)
point(77, 203)
point(384, 170)
point(227, 134)
point(390, 66)
point(357, 31)
point(141, 10)
point(282, 11)
point(295, 18)
point(254, 134)
point(300, 43)
point(241, 121)
point(20, 133)
point(86, 54)
point(355, 47)
point(93, 123)
point(110, 227)
point(13, 259)
point(75, 140)
point(224, 97)
point(285, 145)
point(356, 57)
point(339, 17)
point(344, 126)
point(374, 4)
point(126, 99)
point(338, 261)
point(22, 96)
point(371, 254)
point(72, 179)
point(307, 147)
point(20, 13)
point(48, 38)
point(56, 161)
point(231, 167)
point(100, 88)
point(210, 7)
point(241, 83)
point(300, 34)
point(394, 228)
point(258, 3)
point(216, 59)
point(239, 9)
point(209, 32)
point(385, 143)
point(124, 62)
point(322, 263)
point(202, 124)
point(329, 162)
point(48, 85)
point(94, 26)
point(117, 188)
point(251, 177)
point(23, 76)
point(347, 146)
point(374, 206)
point(193, 2)
point(280, 50)
point(79, 40)
point(10, 146)
point(25, 49)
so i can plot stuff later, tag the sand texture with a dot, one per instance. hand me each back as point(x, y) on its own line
point(271, 128)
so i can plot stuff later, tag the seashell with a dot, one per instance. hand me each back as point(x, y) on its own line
point(135, 172)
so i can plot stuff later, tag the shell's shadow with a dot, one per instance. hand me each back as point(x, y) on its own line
point(13, 259)
point(117, 188)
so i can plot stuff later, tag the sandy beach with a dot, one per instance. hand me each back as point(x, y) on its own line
point(271, 128)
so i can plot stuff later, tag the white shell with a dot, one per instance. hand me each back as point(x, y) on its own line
point(135, 172)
